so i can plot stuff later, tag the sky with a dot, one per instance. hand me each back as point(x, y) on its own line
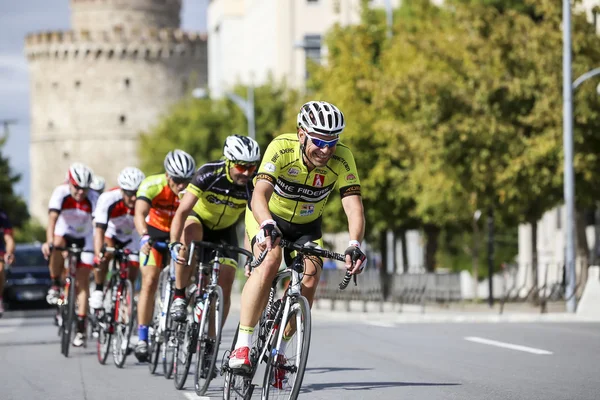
point(17, 19)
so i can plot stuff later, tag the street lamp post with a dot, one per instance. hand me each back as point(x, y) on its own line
point(569, 174)
point(246, 105)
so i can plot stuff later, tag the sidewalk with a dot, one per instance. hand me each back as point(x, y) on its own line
point(466, 312)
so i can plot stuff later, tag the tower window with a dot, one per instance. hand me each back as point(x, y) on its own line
point(77, 84)
point(50, 125)
point(122, 119)
point(127, 82)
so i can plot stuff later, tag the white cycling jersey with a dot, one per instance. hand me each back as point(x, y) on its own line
point(75, 217)
point(116, 218)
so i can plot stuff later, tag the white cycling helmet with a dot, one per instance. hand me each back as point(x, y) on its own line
point(241, 148)
point(98, 183)
point(80, 175)
point(322, 118)
point(130, 178)
point(179, 164)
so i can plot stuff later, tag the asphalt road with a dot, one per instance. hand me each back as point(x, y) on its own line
point(348, 359)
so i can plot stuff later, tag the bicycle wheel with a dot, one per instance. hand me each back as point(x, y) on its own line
point(123, 323)
point(169, 342)
point(105, 325)
point(285, 369)
point(69, 323)
point(154, 336)
point(186, 334)
point(206, 361)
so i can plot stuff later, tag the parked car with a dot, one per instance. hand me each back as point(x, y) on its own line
point(28, 278)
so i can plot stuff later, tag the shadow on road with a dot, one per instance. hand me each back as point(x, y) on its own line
point(367, 385)
point(323, 370)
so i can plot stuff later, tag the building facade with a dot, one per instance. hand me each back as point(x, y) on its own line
point(250, 39)
point(96, 87)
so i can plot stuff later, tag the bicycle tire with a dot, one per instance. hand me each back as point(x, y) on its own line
point(68, 327)
point(300, 310)
point(105, 325)
point(184, 351)
point(201, 384)
point(124, 310)
point(154, 344)
point(168, 349)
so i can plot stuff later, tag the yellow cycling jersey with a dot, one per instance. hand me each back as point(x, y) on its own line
point(220, 201)
point(300, 195)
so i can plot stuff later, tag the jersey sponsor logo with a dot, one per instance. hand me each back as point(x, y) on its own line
point(265, 177)
point(321, 171)
point(298, 192)
point(223, 202)
point(353, 190)
point(286, 151)
point(318, 181)
point(270, 167)
point(350, 177)
point(275, 157)
point(307, 209)
point(293, 171)
point(341, 160)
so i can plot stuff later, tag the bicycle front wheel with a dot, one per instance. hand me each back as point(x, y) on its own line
point(208, 347)
point(285, 369)
point(169, 341)
point(123, 318)
point(69, 323)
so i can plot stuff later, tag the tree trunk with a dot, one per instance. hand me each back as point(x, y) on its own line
point(432, 234)
point(583, 253)
point(475, 259)
point(404, 251)
point(383, 278)
point(534, 262)
point(596, 251)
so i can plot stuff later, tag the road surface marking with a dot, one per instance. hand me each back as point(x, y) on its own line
point(382, 324)
point(507, 345)
point(192, 396)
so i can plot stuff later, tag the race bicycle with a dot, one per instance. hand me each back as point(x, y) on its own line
point(281, 372)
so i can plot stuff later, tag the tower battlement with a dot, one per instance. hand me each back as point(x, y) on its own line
point(126, 14)
point(148, 43)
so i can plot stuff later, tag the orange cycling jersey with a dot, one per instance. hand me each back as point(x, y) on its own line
point(163, 201)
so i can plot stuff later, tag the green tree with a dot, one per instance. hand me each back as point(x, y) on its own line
point(10, 202)
point(200, 126)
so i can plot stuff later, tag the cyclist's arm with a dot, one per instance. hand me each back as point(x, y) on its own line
point(353, 207)
point(142, 209)
point(52, 218)
point(185, 207)
point(98, 239)
point(9, 241)
point(263, 191)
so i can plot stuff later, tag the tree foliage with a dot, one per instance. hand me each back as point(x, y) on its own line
point(11, 203)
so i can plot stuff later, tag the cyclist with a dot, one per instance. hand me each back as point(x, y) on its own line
point(298, 173)
point(115, 228)
point(70, 222)
point(209, 211)
point(98, 184)
point(156, 203)
point(7, 251)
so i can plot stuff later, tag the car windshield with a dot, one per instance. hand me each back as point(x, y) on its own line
point(29, 258)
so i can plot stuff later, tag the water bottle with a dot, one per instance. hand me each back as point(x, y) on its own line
point(198, 310)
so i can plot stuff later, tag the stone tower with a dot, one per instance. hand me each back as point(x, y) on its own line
point(95, 87)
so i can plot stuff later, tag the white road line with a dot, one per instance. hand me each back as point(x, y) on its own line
point(383, 324)
point(507, 345)
point(192, 396)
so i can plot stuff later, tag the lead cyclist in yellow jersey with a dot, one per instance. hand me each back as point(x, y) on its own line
point(297, 175)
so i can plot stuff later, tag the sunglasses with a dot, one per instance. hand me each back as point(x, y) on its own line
point(245, 167)
point(77, 188)
point(179, 181)
point(320, 143)
point(129, 193)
